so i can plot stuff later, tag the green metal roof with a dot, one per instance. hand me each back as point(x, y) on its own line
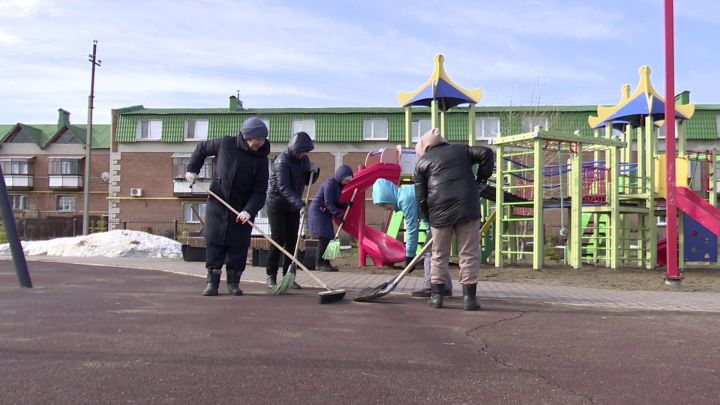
point(43, 134)
point(345, 124)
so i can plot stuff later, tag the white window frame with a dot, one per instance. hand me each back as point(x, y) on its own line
point(717, 125)
point(483, 123)
point(529, 123)
point(375, 129)
point(189, 214)
point(419, 127)
point(199, 129)
point(149, 130)
point(661, 133)
point(66, 203)
point(18, 201)
point(304, 125)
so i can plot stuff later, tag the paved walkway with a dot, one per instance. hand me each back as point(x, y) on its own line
point(591, 297)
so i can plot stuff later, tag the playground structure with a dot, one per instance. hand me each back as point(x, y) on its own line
point(615, 188)
point(612, 184)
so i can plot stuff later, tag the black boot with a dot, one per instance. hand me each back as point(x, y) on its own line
point(271, 280)
point(469, 301)
point(437, 291)
point(213, 282)
point(233, 282)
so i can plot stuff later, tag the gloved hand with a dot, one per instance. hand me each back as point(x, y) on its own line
point(242, 217)
point(349, 204)
point(191, 177)
point(340, 218)
point(303, 211)
point(315, 169)
point(409, 259)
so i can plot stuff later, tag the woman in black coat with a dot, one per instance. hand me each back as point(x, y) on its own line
point(290, 174)
point(240, 178)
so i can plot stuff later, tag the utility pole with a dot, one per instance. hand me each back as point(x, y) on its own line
point(88, 141)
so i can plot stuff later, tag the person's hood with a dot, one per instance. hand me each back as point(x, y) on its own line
point(342, 172)
point(384, 192)
point(300, 142)
point(428, 140)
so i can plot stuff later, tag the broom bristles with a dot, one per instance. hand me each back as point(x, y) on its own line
point(284, 285)
point(332, 251)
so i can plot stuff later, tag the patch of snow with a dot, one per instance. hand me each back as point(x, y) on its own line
point(118, 243)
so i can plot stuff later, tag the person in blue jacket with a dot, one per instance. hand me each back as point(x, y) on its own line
point(393, 198)
point(323, 208)
point(291, 172)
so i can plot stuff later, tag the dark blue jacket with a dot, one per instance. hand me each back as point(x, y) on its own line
point(290, 175)
point(240, 177)
point(327, 204)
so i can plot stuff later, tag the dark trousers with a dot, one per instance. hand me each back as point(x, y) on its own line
point(322, 246)
point(284, 227)
point(235, 249)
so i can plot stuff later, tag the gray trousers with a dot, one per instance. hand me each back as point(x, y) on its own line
point(468, 238)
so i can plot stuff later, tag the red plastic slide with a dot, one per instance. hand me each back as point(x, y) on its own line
point(383, 249)
point(698, 209)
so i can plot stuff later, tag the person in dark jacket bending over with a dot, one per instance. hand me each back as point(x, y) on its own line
point(240, 178)
point(291, 172)
point(448, 195)
point(323, 208)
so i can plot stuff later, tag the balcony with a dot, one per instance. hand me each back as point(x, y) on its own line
point(19, 181)
point(65, 182)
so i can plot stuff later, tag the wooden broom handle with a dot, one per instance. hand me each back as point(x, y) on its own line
point(264, 235)
point(352, 199)
point(302, 219)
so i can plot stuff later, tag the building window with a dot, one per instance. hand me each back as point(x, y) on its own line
point(717, 125)
point(194, 212)
point(662, 132)
point(195, 130)
point(66, 203)
point(304, 125)
point(487, 127)
point(419, 127)
point(180, 167)
point(148, 130)
point(15, 166)
point(375, 130)
point(59, 167)
point(529, 123)
point(18, 201)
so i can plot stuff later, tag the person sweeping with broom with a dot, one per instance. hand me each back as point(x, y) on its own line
point(240, 178)
point(291, 172)
point(324, 207)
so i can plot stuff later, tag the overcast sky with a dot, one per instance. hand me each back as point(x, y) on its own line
point(341, 53)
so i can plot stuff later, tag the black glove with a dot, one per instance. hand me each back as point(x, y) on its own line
point(409, 259)
point(349, 204)
point(340, 218)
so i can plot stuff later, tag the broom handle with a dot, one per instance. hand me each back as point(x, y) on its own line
point(302, 219)
point(352, 199)
point(264, 235)
point(413, 262)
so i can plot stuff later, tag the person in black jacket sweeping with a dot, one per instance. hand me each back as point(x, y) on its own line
point(448, 195)
point(291, 172)
point(241, 179)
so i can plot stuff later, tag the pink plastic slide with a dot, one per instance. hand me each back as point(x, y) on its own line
point(383, 249)
point(698, 209)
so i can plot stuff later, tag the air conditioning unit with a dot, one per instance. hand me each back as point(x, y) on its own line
point(136, 192)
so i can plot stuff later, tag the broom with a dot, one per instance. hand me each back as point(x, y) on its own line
point(288, 279)
point(370, 293)
point(324, 296)
point(333, 248)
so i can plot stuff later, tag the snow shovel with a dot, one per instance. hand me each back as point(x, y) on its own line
point(288, 279)
point(370, 293)
point(324, 296)
point(332, 251)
